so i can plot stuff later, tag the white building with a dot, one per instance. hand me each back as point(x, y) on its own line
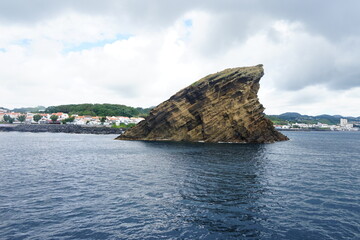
point(343, 122)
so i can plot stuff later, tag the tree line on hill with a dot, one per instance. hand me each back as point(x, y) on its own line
point(90, 110)
point(293, 117)
point(29, 109)
point(100, 110)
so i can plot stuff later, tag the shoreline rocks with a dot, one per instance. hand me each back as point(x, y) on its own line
point(56, 128)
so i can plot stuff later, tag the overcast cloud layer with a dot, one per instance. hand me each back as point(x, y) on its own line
point(139, 53)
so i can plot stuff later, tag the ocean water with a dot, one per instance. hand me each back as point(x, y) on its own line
point(68, 186)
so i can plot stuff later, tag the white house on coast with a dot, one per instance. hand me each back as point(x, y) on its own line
point(78, 120)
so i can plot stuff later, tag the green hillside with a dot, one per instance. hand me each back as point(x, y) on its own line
point(100, 110)
point(293, 117)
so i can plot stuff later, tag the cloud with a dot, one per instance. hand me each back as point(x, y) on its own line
point(141, 52)
point(312, 100)
point(322, 17)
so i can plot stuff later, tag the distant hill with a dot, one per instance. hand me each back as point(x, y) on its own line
point(29, 109)
point(4, 109)
point(100, 110)
point(297, 117)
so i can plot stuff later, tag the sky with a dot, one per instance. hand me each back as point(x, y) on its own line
point(139, 53)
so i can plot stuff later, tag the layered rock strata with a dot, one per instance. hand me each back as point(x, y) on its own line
point(221, 107)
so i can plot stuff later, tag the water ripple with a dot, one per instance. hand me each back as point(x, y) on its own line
point(64, 186)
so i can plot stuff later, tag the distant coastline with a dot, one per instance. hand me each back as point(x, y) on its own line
point(57, 128)
point(313, 130)
point(100, 116)
point(86, 129)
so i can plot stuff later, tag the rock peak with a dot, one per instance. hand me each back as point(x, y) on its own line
point(221, 107)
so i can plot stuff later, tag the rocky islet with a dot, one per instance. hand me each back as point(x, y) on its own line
point(221, 107)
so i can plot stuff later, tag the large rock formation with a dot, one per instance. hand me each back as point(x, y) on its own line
point(221, 107)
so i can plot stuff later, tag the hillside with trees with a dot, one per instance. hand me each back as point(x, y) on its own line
point(29, 109)
point(100, 110)
point(4, 109)
point(293, 117)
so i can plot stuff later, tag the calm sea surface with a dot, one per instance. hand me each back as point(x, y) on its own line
point(67, 186)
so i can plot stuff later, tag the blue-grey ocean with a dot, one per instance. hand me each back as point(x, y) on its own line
point(68, 186)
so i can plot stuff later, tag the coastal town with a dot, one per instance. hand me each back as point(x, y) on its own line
point(344, 125)
point(64, 118)
point(113, 121)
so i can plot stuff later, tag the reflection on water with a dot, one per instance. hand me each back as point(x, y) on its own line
point(219, 185)
point(63, 186)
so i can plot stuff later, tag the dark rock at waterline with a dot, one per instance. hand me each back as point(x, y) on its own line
point(63, 128)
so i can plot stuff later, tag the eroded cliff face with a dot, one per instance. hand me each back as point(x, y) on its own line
point(221, 107)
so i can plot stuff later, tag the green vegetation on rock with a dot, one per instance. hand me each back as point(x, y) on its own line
point(123, 125)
